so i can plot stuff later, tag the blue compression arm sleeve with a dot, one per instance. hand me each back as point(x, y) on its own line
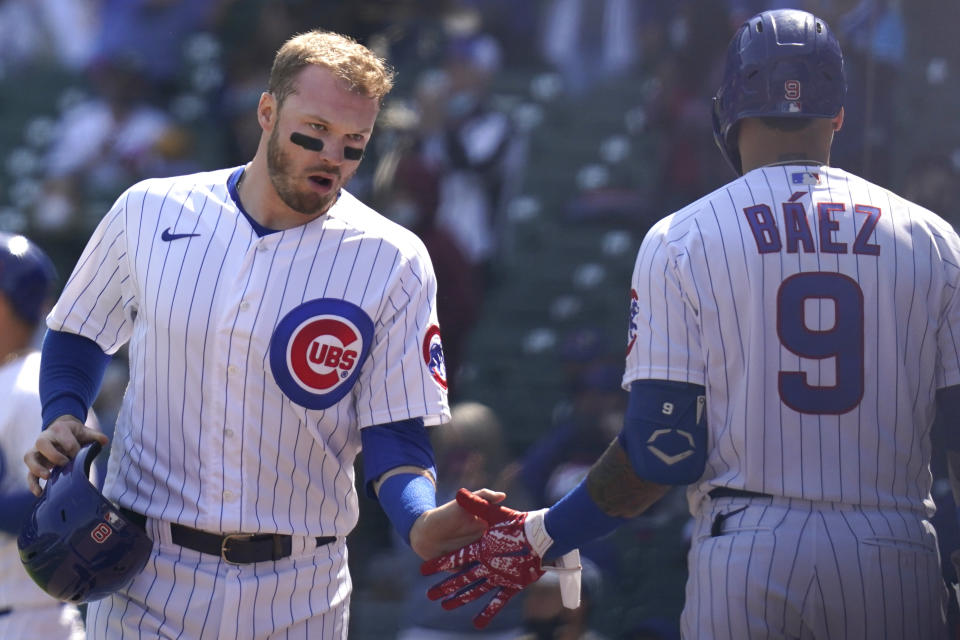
point(575, 520)
point(395, 444)
point(405, 496)
point(71, 370)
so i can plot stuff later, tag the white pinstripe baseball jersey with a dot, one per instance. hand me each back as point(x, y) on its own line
point(821, 313)
point(254, 360)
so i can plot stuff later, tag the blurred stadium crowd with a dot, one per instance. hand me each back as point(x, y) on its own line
point(530, 144)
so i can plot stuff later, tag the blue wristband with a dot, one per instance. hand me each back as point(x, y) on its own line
point(575, 520)
point(404, 497)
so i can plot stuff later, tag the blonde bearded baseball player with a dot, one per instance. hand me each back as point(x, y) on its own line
point(275, 326)
point(789, 334)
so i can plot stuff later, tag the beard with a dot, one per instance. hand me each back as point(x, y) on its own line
point(300, 200)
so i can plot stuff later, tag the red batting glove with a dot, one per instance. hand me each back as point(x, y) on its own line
point(504, 557)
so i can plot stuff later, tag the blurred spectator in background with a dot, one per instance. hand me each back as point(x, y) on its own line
point(580, 429)
point(112, 139)
point(557, 461)
point(63, 32)
point(589, 42)
point(412, 201)
point(874, 41)
point(471, 147)
point(544, 616)
point(151, 34)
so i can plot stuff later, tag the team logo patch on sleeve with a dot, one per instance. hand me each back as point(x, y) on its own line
point(634, 312)
point(317, 350)
point(433, 355)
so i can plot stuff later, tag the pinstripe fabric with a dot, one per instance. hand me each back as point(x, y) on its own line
point(821, 313)
point(211, 434)
point(186, 594)
point(788, 568)
point(718, 304)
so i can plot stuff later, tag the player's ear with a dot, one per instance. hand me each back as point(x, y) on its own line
point(838, 120)
point(267, 111)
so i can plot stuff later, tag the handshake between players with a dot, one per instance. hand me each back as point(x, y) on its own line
point(507, 557)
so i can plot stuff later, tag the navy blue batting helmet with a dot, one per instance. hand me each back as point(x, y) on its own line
point(76, 544)
point(26, 276)
point(785, 64)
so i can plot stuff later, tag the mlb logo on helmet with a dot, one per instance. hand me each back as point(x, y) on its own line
point(433, 355)
point(317, 350)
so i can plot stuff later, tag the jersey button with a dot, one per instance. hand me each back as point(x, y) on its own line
point(228, 496)
point(228, 433)
point(262, 248)
point(244, 305)
point(232, 370)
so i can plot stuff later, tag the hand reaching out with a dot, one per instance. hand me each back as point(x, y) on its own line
point(449, 527)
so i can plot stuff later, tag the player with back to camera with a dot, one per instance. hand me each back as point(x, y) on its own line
point(791, 335)
point(276, 325)
point(26, 281)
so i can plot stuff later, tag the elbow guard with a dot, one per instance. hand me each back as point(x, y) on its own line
point(665, 431)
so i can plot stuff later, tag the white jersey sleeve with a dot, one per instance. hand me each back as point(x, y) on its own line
point(99, 299)
point(404, 376)
point(948, 338)
point(663, 341)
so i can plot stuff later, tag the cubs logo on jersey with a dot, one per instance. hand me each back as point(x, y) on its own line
point(433, 355)
point(634, 311)
point(317, 350)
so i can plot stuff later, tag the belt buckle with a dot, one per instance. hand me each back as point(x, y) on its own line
point(225, 544)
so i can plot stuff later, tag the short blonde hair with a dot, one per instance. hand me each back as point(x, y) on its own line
point(365, 72)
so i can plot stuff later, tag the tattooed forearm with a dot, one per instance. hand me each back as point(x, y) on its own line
point(616, 488)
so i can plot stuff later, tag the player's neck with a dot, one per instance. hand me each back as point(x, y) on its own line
point(772, 158)
point(762, 146)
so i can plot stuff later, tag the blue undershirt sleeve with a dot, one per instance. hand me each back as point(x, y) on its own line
point(575, 520)
point(71, 371)
point(395, 444)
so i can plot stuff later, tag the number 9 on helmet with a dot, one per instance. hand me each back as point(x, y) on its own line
point(75, 544)
point(780, 64)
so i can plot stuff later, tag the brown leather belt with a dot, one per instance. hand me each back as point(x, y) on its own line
point(234, 548)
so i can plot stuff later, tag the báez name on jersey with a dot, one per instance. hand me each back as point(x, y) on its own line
point(317, 350)
point(795, 232)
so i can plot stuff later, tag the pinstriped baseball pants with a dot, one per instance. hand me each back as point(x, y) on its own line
point(185, 594)
point(783, 568)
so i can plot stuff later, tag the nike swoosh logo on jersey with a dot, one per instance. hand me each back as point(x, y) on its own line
point(166, 236)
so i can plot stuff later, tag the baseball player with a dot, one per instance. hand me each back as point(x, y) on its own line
point(789, 336)
point(276, 325)
point(26, 277)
